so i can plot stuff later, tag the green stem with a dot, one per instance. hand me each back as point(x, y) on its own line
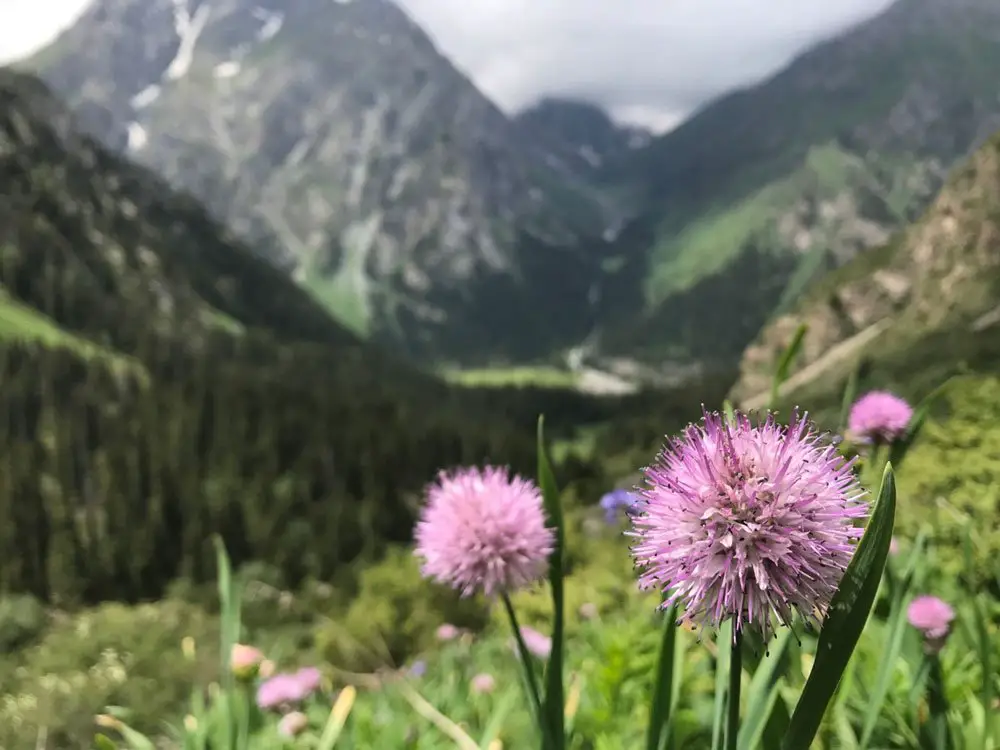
point(529, 673)
point(735, 678)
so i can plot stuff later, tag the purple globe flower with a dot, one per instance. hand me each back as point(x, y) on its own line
point(750, 522)
point(287, 689)
point(483, 530)
point(879, 417)
point(933, 618)
point(616, 501)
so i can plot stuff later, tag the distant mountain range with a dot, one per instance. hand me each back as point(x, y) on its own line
point(336, 140)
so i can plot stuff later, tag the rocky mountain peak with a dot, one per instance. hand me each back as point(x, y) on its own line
point(331, 134)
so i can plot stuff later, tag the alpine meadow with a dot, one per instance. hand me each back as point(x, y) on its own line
point(346, 406)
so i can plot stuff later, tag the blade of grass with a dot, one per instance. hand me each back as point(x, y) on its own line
point(663, 684)
point(764, 689)
point(338, 718)
point(850, 393)
point(785, 364)
point(896, 628)
point(846, 618)
point(554, 701)
point(723, 640)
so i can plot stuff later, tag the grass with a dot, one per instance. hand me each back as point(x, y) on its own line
point(504, 377)
point(23, 324)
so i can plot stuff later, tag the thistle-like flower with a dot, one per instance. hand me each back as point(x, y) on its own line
point(879, 417)
point(483, 530)
point(933, 618)
point(747, 521)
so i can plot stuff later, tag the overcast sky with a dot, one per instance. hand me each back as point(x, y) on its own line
point(648, 61)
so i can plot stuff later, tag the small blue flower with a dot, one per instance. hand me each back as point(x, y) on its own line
point(418, 668)
point(616, 501)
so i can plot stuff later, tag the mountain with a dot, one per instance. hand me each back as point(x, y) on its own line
point(790, 178)
point(163, 383)
point(915, 311)
point(580, 135)
point(337, 140)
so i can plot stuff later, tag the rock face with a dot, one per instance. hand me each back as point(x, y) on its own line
point(944, 272)
point(822, 162)
point(336, 138)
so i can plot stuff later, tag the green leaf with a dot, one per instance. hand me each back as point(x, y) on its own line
point(554, 703)
point(895, 628)
point(901, 447)
point(103, 742)
point(663, 683)
point(850, 394)
point(722, 641)
point(846, 618)
point(764, 691)
point(785, 364)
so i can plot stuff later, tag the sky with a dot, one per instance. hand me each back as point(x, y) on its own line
point(649, 62)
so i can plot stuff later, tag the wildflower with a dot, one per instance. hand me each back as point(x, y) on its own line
point(588, 611)
point(616, 501)
point(933, 618)
point(484, 530)
point(747, 521)
point(538, 644)
point(447, 632)
point(245, 661)
point(879, 417)
point(292, 724)
point(418, 668)
point(286, 689)
point(893, 546)
point(483, 683)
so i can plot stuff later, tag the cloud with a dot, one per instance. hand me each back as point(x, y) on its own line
point(651, 61)
point(648, 61)
point(26, 25)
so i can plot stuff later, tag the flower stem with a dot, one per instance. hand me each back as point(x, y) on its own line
point(735, 677)
point(529, 673)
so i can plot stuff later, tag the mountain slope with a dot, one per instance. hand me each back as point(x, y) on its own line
point(161, 383)
point(343, 145)
point(920, 308)
point(822, 162)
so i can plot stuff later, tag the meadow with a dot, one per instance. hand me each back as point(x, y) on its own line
point(399, 661)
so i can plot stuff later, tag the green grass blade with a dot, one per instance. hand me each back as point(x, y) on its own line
point(846, 618)
point(896, 628)
point(847, 401)
point(764, 689)
point(103, 742)
point(729, 411)
point(663, 683)
point(722, 641)
point(785, 364)
point(554, 702)
point(901, 447)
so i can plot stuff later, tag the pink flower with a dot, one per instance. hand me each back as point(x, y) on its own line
point(748, 522)
point(538, 644)
point(879, 417)
point(447, 632)
point(292, 724)
point(894, 546)
point(244, 661)
point(286, 689)
point(483, 683)
point(933, 618)
point(483, 530)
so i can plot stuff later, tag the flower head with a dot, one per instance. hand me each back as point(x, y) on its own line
point(292, 724)
point(616, 501)
point(483, 530)
point(879, 417)
point(244, 661)
point(418, 668)
point(933, 618)
point(537, 643)
point(748, 521)
point(483, 683)
point(447, 632)
point(286, 689)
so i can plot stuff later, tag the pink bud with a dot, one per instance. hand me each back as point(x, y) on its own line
point(292, 724)
point(245, 661)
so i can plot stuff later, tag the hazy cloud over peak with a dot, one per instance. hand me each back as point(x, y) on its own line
point(649, 61)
